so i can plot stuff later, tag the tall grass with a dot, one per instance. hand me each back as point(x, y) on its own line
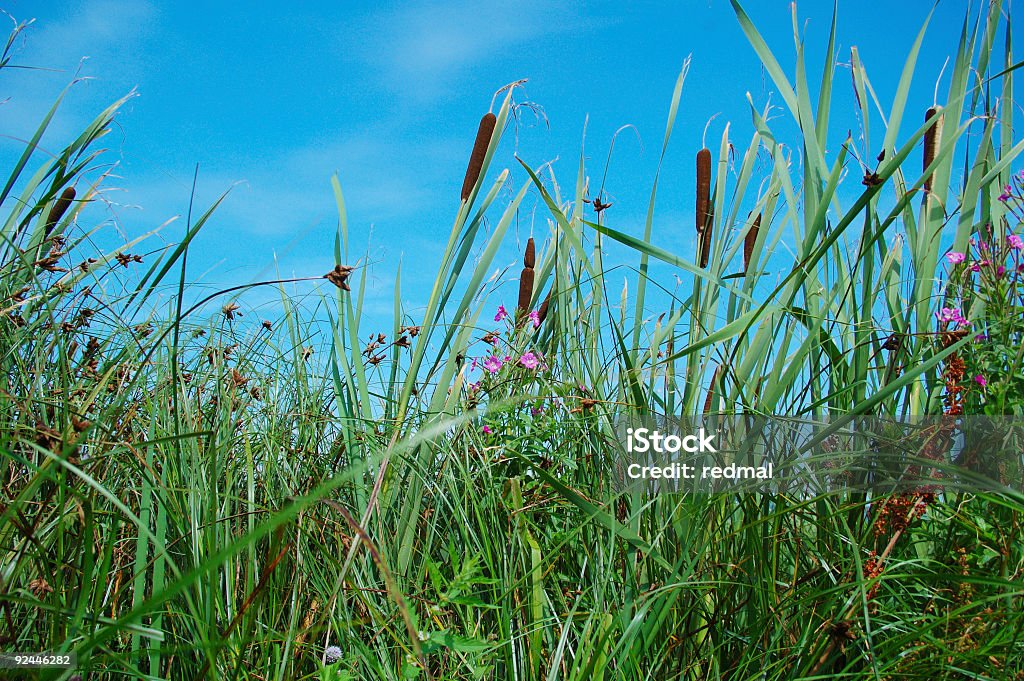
point(188, 495)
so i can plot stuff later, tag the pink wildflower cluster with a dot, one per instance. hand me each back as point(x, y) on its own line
point(952, 314)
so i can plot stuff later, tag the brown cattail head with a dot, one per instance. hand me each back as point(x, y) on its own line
point(709, 400)
point(749, 241)
point(530, 256)
point(931, 142)
point(526, 279)
point(476, 159)
point(542, 313)
point(705, 217)
point(58, 210)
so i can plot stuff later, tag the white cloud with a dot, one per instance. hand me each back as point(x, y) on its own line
point(422, 46)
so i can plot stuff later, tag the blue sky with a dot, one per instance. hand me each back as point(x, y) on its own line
point(271, 100)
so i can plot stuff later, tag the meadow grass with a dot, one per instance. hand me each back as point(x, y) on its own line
point(190, 493)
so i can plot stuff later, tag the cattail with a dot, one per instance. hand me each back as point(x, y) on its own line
point(542, 313)
point(58, 210)
point(476, 159)
point(711, 390)
point(749, 241)
point(526, 280)
point(931, 142)
point(705, 216)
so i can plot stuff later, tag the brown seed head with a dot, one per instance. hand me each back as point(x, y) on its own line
point(60, 206)
point(749, 241)
point(476, 159)
point(704, 215)
point(530, 256)
point(542, 313)
point(931, 142)
point(339, 276)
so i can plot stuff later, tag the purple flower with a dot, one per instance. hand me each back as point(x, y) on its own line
point(487, 430)
point(952, 314)
point(493, 364)
point(1015, 242)
point(332, 654)
point(535, 318)
point(981, 337)
point(975, 267)
point(502, 313)
point(472, 365)
point(955, 258)
point(529, 360)
point(1005, 196)
point(536, 411)
point(980, 380)
point(1000, 271)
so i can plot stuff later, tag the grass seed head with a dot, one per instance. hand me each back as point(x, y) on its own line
point(476, 159)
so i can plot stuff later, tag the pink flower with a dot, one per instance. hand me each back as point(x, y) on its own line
point(1005, 196)
point(472, 364)
point(975, 267)
point(980, 380)
point(493, 364)
point(487, 430)
point(955, 258)
point(1000, 271)
point(952, 314)
point(1015, 242)
point(502, 313)
point(529, 360)
point(535, 318)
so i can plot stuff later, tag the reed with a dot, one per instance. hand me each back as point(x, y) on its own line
point(705, 216)
point(476, 159)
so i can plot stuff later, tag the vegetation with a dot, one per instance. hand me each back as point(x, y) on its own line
point(192, 495)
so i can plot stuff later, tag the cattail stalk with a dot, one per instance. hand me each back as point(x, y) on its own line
point(708, 401)
point(705, 216)
point(58, 210)
point(542, 313)
point(749, 241)
point(931, 143)
point(526, 280)
point(476, 159)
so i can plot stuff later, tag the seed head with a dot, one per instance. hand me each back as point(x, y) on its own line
point(476, 159)
point(339, 276)
point(705, 216)
point(60, 206)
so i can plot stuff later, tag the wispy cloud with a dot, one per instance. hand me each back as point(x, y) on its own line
point(423, 46)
